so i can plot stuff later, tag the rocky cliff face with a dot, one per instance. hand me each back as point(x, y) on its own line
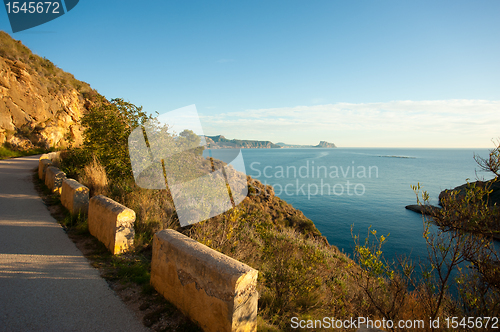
point(40, 105)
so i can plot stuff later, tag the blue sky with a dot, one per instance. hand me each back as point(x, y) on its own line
point(356, 73)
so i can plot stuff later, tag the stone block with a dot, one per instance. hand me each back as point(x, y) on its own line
point(217, 292)
point(54, 178)
point(43, 163)
point(53, 155)
point(74, 196)
point(111, 223)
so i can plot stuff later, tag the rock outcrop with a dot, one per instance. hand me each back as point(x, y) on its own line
point(493, 198)
point(489, 226)
point(40, 104)
point(429, 210)
point(325, 144)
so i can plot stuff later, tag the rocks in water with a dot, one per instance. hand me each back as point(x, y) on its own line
point(429, 210)
point(489, 224)
point(494, 197)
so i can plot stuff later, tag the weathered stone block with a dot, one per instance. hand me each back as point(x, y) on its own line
point(214, 290)
point(75, 196)
point(53, 155)
point(43, 163)
point(111, 223)
point(54, 178)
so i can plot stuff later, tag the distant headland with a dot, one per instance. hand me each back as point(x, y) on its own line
point(322, 144)
point(220, 142)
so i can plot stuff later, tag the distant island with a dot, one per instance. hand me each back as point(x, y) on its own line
point(220, 142)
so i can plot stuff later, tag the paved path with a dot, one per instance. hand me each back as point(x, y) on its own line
point(45, 282)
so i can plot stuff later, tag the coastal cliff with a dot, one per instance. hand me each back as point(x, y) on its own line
point(322, 144)
point(220, 142)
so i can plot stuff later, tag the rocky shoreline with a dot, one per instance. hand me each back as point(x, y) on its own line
point(428, 210)
point(493, 199)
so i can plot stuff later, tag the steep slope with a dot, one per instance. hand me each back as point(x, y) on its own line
point(40, 104)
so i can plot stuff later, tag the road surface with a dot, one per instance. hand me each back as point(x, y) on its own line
point(46, 284)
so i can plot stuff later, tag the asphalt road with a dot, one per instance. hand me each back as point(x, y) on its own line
point(46, 284)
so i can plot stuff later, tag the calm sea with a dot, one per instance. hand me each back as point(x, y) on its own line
point(363, 187)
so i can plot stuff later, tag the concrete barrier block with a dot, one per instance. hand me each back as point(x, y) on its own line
point(214, 290)
point(43, 163)
point(111, 223)
point(53, 155)
point(74, 196)
point(54, 178)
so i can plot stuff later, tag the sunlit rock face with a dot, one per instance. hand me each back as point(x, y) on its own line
point(40, 104)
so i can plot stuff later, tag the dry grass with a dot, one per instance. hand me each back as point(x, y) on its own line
point(154, 210)
point(95, 178)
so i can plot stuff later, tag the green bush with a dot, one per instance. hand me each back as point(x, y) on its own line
point(106, 129)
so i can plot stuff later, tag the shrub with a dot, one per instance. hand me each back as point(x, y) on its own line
point(107, 127)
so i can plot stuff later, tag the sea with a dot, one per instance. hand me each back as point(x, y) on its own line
point(346, 191)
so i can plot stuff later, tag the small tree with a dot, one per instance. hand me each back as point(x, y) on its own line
point(383, 285)
point(492, 163)
point(107, 127)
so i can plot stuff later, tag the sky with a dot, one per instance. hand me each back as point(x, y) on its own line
point(355, 73)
